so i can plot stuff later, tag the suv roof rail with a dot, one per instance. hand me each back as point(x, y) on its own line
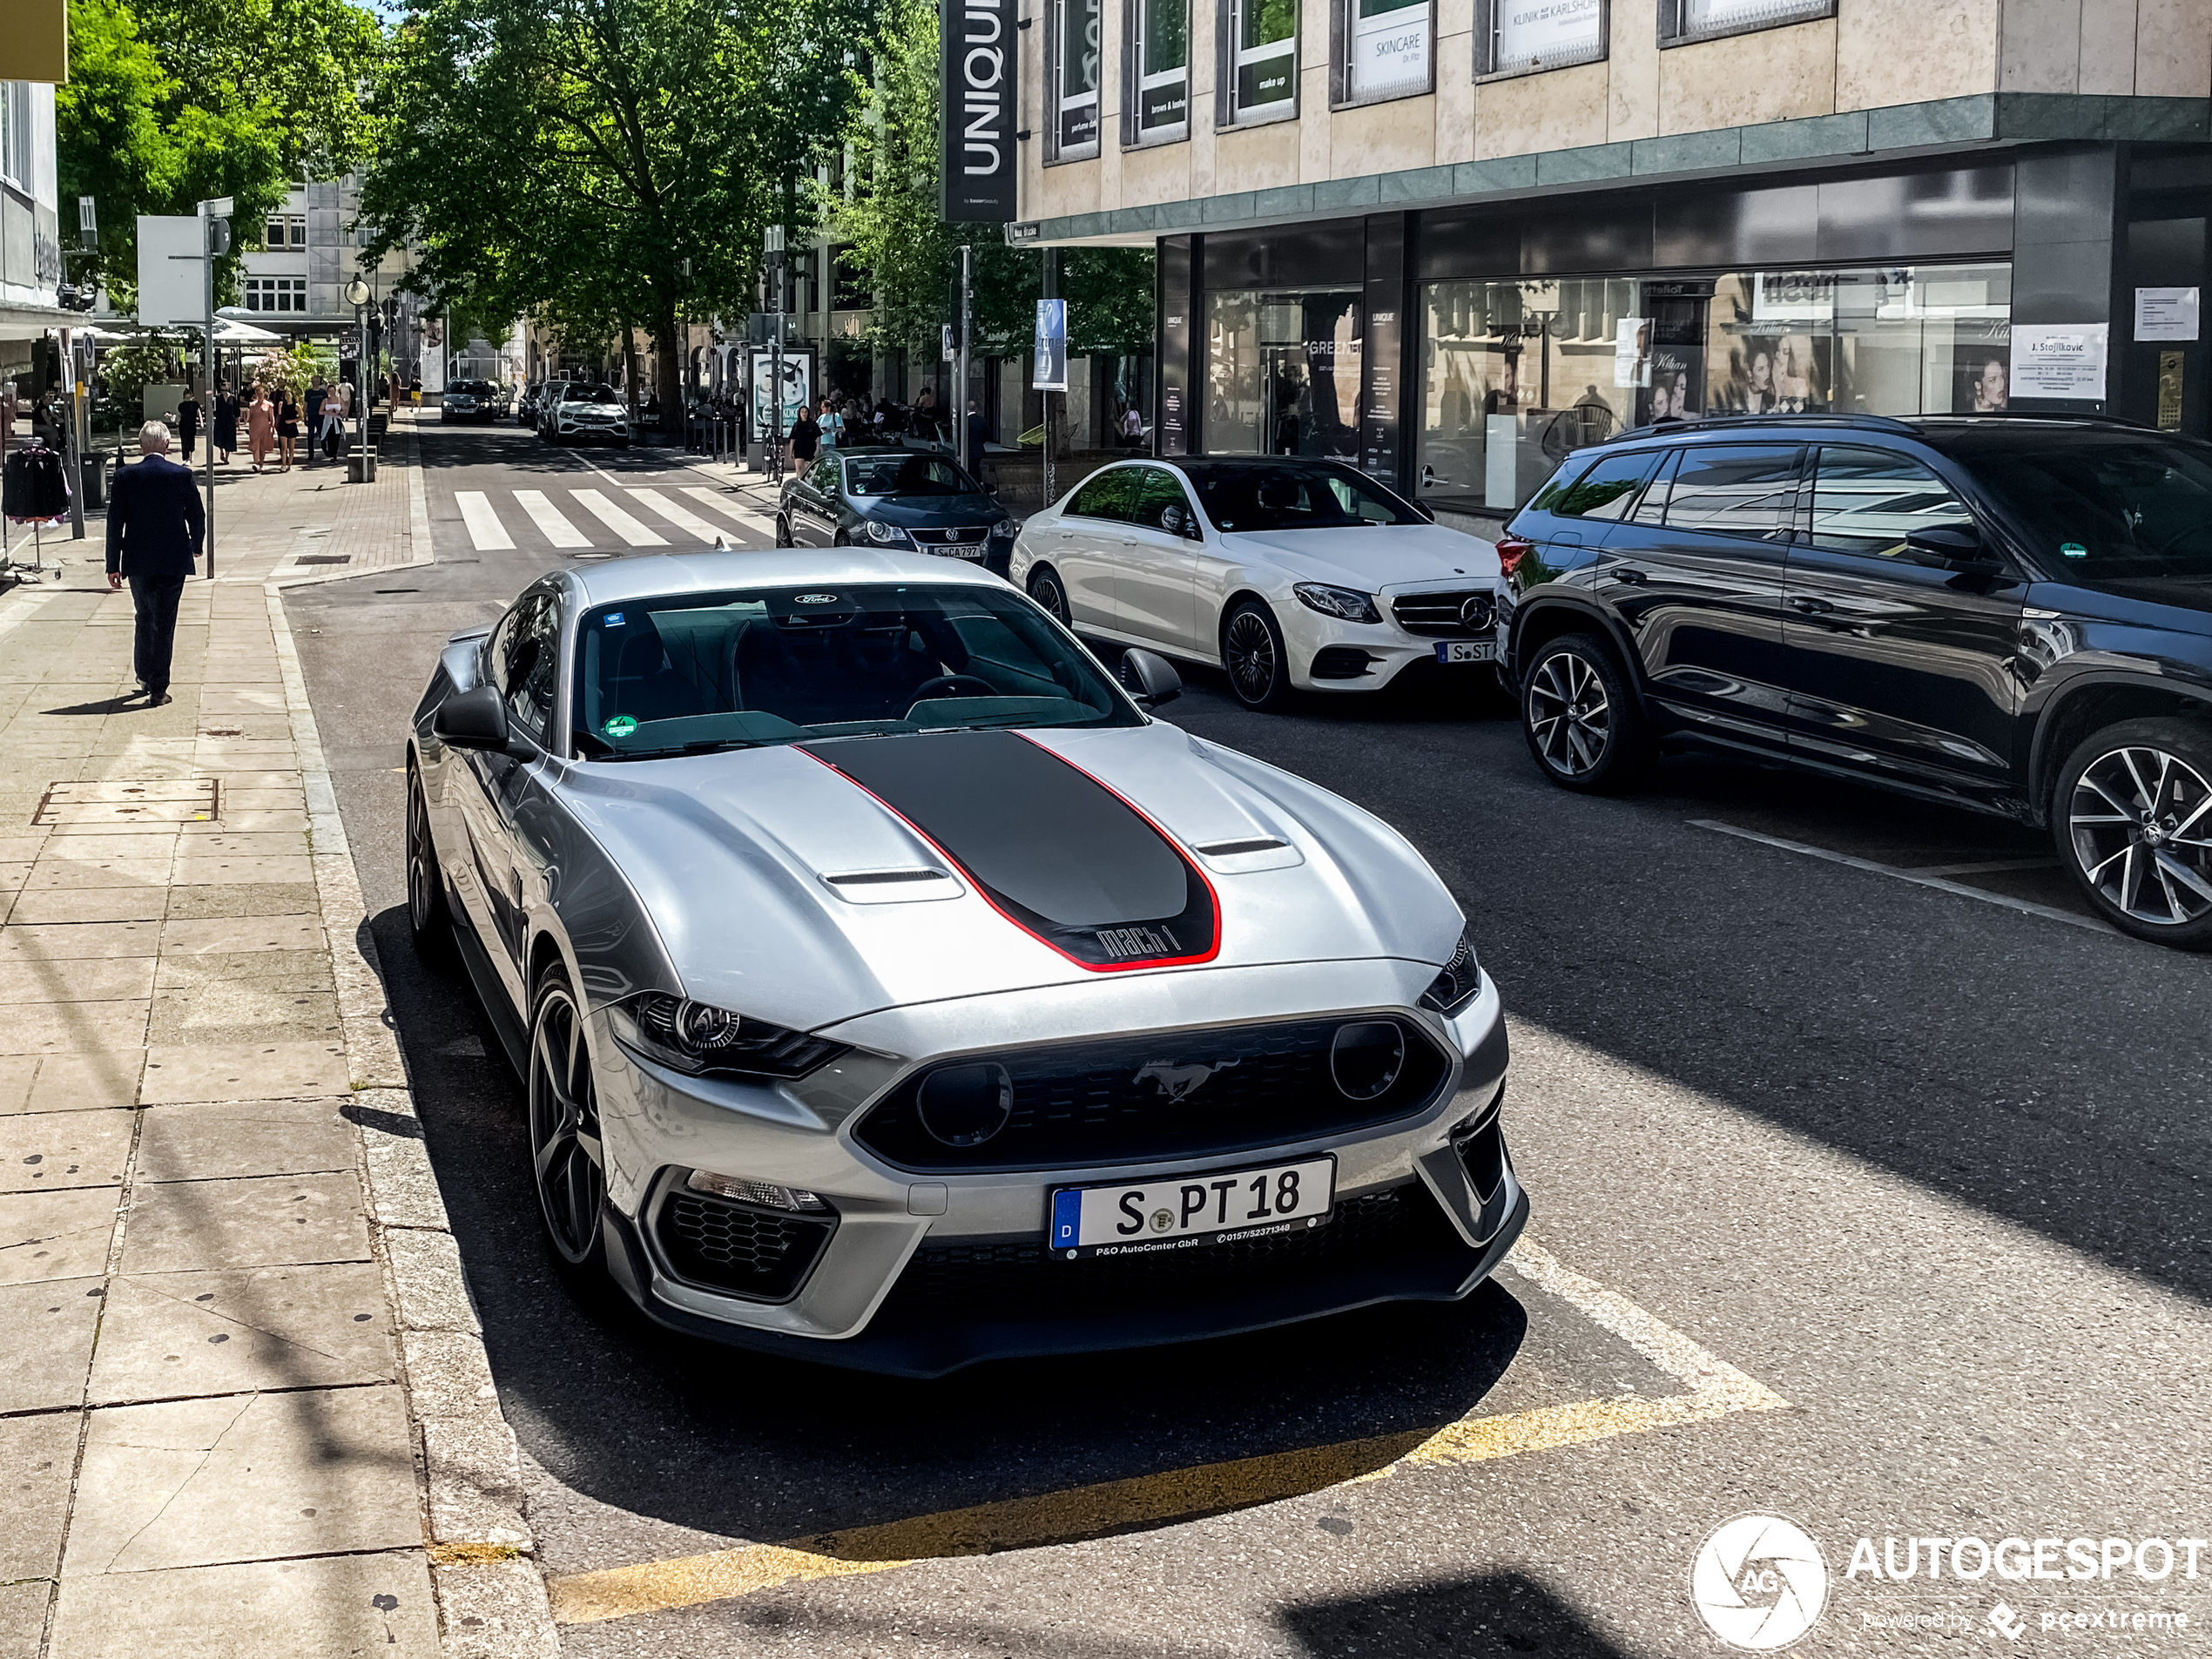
point(2045, 414)
point(1860, 422)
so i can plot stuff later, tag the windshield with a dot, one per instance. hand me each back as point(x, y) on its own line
point(588, 394)
point(691, 673)
point(1244, 496)
point(906, 476)
point(2102, 505)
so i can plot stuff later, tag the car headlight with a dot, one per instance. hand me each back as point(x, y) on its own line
point(1453, 988)
point(1006, 529)
point(890, 534)
point(702, 1040)
point(1343, 604)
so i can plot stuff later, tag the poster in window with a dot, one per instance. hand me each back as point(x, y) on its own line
point(1078, 75)
point(1545, 34)
point(2061, 360)
point(1390, 44)
point(799, 378)
point(1982, 368)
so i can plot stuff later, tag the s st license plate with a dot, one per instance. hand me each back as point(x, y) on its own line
point(1177, 1213)
point(1466, 650)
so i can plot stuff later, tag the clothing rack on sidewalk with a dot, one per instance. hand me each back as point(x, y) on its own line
point(33, 490)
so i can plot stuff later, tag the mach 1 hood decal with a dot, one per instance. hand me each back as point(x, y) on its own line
point(1055, 851)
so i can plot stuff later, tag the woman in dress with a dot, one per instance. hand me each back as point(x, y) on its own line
point(287, 426)
point(224, 434)
point(261, 426)
point(187, 421)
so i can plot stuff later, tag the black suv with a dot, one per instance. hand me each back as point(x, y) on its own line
point(2007, 612)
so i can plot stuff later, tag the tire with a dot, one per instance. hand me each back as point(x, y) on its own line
point(568, 1164)
point(783, 530)
point(428, 917)
point(2132, 818)
point(1045, 588)
point(1258, 661)
point(1580, 716)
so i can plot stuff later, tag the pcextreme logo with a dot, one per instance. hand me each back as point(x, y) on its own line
point(1759, 1581)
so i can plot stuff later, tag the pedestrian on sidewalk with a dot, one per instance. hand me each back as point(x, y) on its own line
point(316, 394)
point(806, 440)
point(155, 525)
point(187, 422)
point(831, 422)
point(335, 410)
point(261, 426)
point(224, 434)
point(287, 426)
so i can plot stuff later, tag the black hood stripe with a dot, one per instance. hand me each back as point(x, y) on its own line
point(1055, 851)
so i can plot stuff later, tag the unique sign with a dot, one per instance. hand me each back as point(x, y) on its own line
point(2166, 313)
point(1051, 371)
point(980, 73)
point(2058, 361)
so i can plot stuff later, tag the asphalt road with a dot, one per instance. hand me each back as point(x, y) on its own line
point(1930, 1167)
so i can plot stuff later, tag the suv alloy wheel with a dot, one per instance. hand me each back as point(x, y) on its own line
point(2132, 819)
point(1579, 717)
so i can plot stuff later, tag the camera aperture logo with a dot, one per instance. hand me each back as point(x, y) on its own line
point(1759, 1581)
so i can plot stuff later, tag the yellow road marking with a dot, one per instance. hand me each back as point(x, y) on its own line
point(1715, 1388)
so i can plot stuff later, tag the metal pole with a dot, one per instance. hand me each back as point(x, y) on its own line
point(77, 435)
point(206, 380)
point(967, 462)
point(1051, 291)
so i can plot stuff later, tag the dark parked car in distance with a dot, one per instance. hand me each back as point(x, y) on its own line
point(472, 401)
point(2012, 613)
point(895, 498)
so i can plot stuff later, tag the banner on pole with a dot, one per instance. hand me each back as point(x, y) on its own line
point(1051, 373)
point(979, 70)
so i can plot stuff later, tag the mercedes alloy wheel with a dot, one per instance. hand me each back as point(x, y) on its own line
point(1252, 651)
point(1044, 588)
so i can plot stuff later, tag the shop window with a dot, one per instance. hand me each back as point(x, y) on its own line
point(275, 294)
point(1073, 77)
point(15, 134)
point(1283, 372)
point(1156, 90)
point(1528, 36)
point(1385, 48)
point(1681, 22)
point(1260, 83)
point(284, 231)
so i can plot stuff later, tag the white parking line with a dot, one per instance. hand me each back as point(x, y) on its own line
point(1963, 891)
point(689, 522)
point(619, 522)
point(549, 520)
point(485, 531)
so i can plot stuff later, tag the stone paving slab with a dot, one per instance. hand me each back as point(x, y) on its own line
point(263, 1221)
point(48, 1350)
point(166, 1334)
point(70, 1083)
point(179, 1073)
point(347, 1607)
point(36, 1455)
point(43, 1151)
point(220, 1140)
point(55, 1235)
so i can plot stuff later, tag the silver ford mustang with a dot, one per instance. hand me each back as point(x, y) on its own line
point(894, 990)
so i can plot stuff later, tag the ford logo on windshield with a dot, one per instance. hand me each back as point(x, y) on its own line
point(815, 599)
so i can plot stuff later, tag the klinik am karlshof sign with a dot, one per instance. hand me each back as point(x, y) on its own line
point(980, 66)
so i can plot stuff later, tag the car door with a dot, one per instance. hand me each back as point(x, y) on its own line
point(1896, 662)
point(503, 790)
point(1086, 545)
point(816, 499)
point(1153, 585)
point(1696, 575)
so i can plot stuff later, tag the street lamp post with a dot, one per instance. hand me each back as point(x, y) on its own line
point(357, 297)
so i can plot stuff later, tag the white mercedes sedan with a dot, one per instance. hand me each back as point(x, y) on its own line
point(1291, 573)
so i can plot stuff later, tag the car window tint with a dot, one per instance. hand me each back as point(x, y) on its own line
point(1546, 500)
point(1651, 506)
point(1735, 489)
point(1606, 490)
point(824, 477)
point(1110, 495)
point(1156, 491)
point(1868, 501)
point(527, 659)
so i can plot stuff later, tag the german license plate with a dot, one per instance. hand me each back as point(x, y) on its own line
point(961, 549)
point(1466, 650)
point(1177, 1213)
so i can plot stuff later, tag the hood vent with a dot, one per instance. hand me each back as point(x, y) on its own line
point(894, 886)
point(1230, 849)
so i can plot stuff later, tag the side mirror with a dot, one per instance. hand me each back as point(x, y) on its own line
point(1176, 521)
point(472, 719)
point(1150, 678)
point(1954, 547)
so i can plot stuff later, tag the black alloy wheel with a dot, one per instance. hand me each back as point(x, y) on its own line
point(427, 916)
point(1579, 717)
point(1252, 651)
point(2132, 819)
point(783, 530)
point(1044, 588)
point(566, 1158)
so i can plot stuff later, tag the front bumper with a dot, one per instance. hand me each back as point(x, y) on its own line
point(1325, 651)
point(922, 1275)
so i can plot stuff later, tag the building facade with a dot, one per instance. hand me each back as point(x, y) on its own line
point(1452, 239)
point(30, 250)
point(294, 283)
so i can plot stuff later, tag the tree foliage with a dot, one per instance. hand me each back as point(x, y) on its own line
point(569, 158)
point(889, 214)
point(172, 102)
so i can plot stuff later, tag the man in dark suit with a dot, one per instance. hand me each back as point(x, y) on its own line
point(155, 525)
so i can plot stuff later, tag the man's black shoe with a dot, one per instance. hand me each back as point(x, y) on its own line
point(155, 699)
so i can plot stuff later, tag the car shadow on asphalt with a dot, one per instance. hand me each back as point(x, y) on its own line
point(1484, 1613)
point(740, 1445)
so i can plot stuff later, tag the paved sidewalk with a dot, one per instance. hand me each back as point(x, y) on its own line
point(243, 1404)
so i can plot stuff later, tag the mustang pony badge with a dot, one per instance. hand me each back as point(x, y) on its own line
point(1179, 1082)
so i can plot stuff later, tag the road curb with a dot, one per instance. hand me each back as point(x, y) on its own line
point(491, 1597)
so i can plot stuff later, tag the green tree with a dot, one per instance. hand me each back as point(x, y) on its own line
point(604, 165)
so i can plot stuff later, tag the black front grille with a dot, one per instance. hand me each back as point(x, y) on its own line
point(735, 1247)
point(1444, 616)
point(1010, 1281)
point(1168, 1095)
point(939, 537)
point(1340, 663)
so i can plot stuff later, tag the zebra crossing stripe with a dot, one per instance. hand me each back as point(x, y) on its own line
point(683, 518)
point(721, 504)
point(543, 514)
point(484, 527)
point(620, 522)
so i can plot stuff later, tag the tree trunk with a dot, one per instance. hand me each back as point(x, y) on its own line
point(630, 371)
point(665, 364)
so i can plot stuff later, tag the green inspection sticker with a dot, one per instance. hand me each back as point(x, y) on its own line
point(2074, 550)
point(621, 726)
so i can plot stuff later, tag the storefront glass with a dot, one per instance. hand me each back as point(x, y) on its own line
point(1076, 78)
point(1388, 48)
point(1282, 372)
point(1516, 374)
point(1163, 71)
point(1266, 36)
